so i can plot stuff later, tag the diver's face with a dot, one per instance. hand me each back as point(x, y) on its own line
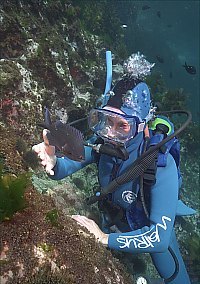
point(112, 124)
point(116, 125)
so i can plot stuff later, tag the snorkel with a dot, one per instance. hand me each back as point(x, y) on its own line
point(102, 101)
point(108, 74)
point(130, 96)
point(117, 151)
point(127, 103)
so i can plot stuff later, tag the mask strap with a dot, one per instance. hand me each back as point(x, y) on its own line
point(141, 127)
point(146, 132)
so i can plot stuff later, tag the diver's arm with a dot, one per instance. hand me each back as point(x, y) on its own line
point(58, 168)
point(164, 198)
point(65, 167)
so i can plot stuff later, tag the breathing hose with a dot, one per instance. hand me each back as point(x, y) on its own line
point(142, 198)
point(176, 271)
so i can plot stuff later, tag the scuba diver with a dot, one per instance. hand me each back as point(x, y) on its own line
point(139, 195)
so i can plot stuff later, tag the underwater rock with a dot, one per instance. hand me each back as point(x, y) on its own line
point(41, 240)
point(47, 59)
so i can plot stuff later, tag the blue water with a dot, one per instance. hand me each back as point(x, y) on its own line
point(174, 36)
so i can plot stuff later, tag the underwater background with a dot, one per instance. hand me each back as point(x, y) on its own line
point(167, 32)
point(52, 53)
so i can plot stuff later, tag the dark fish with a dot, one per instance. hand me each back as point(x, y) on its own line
point(160, 59)
point(145, 7)
point(169, 26)
point(190, 69)
point(67, 139)
point(158, 14)
point(170, 75)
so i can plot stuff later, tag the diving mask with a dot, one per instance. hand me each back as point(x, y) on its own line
point(114, 126)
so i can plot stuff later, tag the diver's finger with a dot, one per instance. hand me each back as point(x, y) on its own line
point(77, 219)
point(37, 148)
point(80, 223)
point(44, 134)
point(81, 217)
point(41, 155)
point(49, 171)
point(50, 150)
point(82, 220)
point(43, 163)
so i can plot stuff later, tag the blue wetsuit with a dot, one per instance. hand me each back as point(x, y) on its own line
point(154, 238)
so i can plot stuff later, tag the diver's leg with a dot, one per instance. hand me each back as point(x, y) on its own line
point(166, 266)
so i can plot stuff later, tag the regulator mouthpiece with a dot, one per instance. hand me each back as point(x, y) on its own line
point(110, 150)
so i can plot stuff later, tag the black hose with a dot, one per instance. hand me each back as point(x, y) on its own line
point(142, 163)
point(142, 198)
point(78, 120)
point(176, 271)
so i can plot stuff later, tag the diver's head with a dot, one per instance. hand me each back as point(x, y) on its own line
point(128, 105)
point(123, 117)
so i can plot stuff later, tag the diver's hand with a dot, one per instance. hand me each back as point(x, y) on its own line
point(92, 228)
point(46, 153)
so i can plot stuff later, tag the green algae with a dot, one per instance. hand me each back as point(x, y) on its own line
point(52, 217)
point(46, 247)
point(12, 190)
point(10, 76)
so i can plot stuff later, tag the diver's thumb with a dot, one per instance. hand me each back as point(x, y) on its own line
point(50, 150)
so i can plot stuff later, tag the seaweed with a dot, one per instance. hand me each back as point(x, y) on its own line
point(30, 159)
point(12, 193)
point(52, 217)
point(21, 145)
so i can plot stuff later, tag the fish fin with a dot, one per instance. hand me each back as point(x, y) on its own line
point(47, 117)
point(43, 125)
point(59, 124)
point(75, 131)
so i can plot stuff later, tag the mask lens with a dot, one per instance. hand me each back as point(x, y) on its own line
point(112, 125)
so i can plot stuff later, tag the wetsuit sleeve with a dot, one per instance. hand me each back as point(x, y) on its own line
point(164, 198)
point(65, 167)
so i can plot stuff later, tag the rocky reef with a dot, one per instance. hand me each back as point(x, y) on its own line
point(52, 53)
point(41, 245)
point(48, 59)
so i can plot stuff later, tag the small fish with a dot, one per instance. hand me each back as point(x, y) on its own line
point(145, 7)
point(124, 26)
point(158, 14)
point(160, 59)
point(190, 69)
point(170, 75)
point(67, 139)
